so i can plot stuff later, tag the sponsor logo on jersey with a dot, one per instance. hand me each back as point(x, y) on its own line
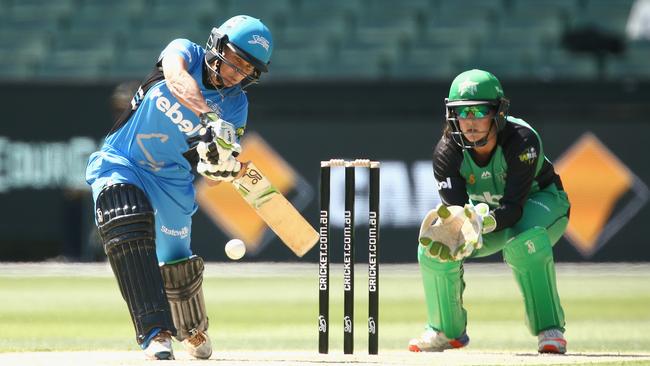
point(445, 184)
point(487, 197)
point(528, 156)
point(173, 112)
point(182, 233)
point(214, 106)
point(257, 39)
point(486, 175)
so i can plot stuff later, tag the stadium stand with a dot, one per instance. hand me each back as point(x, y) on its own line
point(367, 39)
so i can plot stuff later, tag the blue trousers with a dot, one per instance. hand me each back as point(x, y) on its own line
point(173, 203)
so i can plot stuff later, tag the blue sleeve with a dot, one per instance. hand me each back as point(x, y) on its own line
point(188, 50)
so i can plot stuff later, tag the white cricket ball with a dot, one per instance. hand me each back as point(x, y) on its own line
point(235, 249)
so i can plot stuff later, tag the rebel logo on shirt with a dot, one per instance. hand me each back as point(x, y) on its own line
point(173, 112)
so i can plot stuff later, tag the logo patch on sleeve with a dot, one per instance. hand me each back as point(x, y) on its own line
point(528, 156)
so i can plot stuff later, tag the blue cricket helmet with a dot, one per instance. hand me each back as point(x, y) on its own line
point(248, 37)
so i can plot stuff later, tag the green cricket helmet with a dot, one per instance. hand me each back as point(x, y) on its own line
point(475, 88)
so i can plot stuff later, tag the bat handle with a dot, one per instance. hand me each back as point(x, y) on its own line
point(242, 171)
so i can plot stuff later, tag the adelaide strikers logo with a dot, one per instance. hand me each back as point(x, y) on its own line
point(257, 39)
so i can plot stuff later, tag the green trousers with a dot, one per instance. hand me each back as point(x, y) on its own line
point(527, 248)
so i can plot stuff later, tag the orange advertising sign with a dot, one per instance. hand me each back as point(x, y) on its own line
point(595, 180)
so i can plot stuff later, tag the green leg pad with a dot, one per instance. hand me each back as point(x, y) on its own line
point(443, 291)
point(531, 258)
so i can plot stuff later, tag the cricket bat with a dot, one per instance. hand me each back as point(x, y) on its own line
point(278, 213)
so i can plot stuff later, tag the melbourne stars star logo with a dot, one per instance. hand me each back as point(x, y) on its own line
point(467, 87)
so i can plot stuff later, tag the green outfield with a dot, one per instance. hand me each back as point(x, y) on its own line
point(274, 307)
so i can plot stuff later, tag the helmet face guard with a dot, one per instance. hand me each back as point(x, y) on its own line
point(500, 106)
point(475, 88)
point(215, 50)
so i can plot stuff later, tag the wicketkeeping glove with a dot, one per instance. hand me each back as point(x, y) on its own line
point(451, 233)
point(481, 216)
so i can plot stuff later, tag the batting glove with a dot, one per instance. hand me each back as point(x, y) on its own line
point(220, 140)
point(224, 172)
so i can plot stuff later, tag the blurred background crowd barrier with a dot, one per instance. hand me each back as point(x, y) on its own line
point(348, 78)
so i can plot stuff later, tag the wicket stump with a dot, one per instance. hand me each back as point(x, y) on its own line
point(348, 255)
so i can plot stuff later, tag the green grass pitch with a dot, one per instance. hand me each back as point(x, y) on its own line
point(275, 307)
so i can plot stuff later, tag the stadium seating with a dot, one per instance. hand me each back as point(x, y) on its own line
point(316, 40)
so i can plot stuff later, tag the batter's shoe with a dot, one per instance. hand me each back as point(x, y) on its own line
point(198, 345)
point(433, 341)
point(160, 347)
point(551, 341)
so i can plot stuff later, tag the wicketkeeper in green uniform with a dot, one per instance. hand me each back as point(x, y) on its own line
point(499, 193)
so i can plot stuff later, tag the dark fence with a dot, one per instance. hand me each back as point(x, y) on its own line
point(48, 130)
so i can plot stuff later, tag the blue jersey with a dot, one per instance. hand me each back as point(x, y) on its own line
point(145, 148)
point(156, 134)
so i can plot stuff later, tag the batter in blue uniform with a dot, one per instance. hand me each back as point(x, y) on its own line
point(188, 113)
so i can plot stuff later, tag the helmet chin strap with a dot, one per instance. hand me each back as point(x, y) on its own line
point(483, 141)
point(466, 144)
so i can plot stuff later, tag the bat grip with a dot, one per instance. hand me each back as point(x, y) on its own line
point(242, 171)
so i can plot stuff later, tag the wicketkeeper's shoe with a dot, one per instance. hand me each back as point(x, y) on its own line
point(160, 347)
point(198, 345)
point(433, 341)
point(551, 341)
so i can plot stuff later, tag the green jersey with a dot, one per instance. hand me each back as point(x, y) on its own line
point(516, 169)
